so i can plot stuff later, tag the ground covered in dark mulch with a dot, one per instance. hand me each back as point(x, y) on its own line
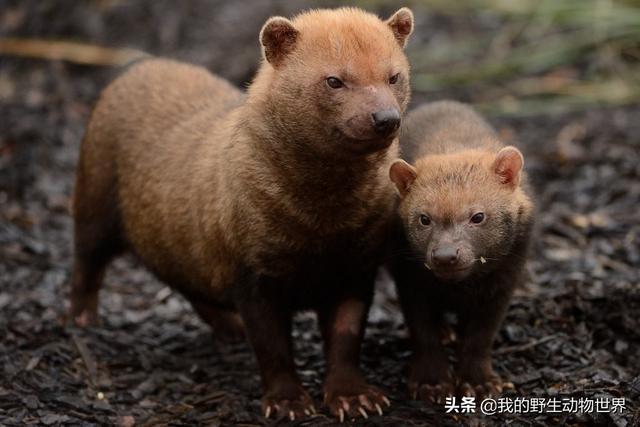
point(573, 332)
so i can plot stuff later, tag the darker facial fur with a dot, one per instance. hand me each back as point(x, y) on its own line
point(366, 114)
point(462, 237)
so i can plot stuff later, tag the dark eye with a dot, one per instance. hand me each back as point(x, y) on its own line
point(477, 218)
point(425, 220)
point(334, 82)
point(394, 79)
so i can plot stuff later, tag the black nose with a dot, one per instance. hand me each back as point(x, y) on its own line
point(445, 255)
point(386, 121)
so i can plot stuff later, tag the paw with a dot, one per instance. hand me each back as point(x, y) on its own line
point(432, 393)
point(83, 318)
point(354, 404)
point(493, 387)
point(288, 406)
point(229, 329)
point(227, 325)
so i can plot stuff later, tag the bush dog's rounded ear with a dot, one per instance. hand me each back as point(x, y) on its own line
point(278, 38)
point(402, 174)
point(401, 23)
point(508, 165)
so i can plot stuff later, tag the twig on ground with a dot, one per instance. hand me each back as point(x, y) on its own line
point(80, 53)
point(88, 359)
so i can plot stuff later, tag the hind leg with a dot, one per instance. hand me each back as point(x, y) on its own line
point(97, 231)
point(227, 325)
point(91, 260)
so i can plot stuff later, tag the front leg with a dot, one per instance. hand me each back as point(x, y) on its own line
point(267, 313)
point(346, 392)
point(430, 378)
point(478, 327)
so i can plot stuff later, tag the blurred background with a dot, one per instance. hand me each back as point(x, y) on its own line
point(558, 78)
point(516, 57)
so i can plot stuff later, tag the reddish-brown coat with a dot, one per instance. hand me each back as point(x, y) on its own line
point(268, 202)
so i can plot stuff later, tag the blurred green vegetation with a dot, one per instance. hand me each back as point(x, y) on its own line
point(526, 56)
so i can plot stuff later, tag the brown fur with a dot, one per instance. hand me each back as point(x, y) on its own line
point(461, 169)
point(265, 203)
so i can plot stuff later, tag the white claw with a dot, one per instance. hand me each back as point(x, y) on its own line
point(379, 409)
point(341, 412)
point(363, 412)
point(387, 401)
point(292, 416)
point(267, 413)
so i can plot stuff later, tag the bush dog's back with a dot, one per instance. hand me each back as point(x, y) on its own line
point(466, 218)
point(254, 207)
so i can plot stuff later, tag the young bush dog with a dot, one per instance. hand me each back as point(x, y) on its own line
point(466, 218)
point(256, 206)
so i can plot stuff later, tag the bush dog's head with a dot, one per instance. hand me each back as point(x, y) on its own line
point(342, 71)
point(461, 211)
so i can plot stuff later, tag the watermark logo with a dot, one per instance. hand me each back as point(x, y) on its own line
point(528, 405)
